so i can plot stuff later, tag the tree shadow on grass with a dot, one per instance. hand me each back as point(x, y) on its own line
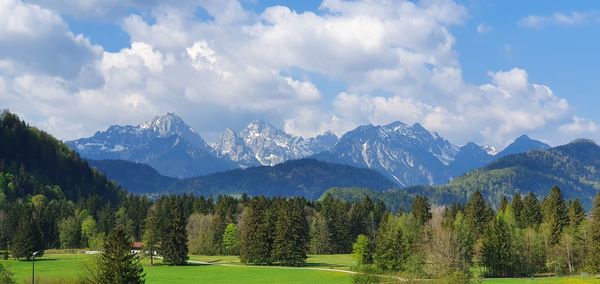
point(324, 265)
point(39, 260)
point(169, 265)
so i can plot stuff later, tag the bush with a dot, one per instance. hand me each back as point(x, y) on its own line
point(366, 275)
point(6, 275)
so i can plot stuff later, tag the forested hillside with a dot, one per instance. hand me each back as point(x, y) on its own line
point(33, 162)
point(307, 178)
point(574, 167)
point(48, 194)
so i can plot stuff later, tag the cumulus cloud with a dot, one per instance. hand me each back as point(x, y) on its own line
point(560, 19)
point(396, 60)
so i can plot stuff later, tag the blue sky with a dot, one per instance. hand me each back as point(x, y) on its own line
point(483, 71)
point(564, 56)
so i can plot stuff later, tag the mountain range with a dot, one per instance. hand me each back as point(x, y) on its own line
point(574, 168)
point(305, 177)
point(406, 154)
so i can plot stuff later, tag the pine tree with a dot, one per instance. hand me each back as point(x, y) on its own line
point(290, 243)
point(174, 242)
point(496, 249)
point(532, 212)
point(477, 213)
point(421, 209)
point(22, 245)
point(336, 214)
point(517, 206)
point(390, 250)
point(593, 256)
point(319, 236)
point(256, 232)
point(555, 216)
point(117, 264)
point(576, 213)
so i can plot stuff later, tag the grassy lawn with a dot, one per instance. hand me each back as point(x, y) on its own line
point(69, 266)
point(248, 274)
point(335, 261)
point(50, 266)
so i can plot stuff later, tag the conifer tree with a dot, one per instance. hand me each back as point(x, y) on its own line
point(593, 256)
point(319, 236)
point(174, 241)
point(336, 217)
point(117, 264)
point(421, 209)
point(22, 245)
point(554, 215)
point(576, 213)
point(532, 212)
point(477, 213)
point(290, 243)
point(390, 250)
point(517, 207)
point(255, 232)
point(496, 254)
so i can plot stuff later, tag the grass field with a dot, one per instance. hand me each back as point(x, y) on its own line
point(70, 266)
point(63, 267)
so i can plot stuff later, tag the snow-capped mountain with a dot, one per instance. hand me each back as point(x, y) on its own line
point(407, 154)
point(260, 143)
point(166, 143)
point(411, 155)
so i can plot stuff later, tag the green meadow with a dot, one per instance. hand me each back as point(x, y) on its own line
point(66, 268)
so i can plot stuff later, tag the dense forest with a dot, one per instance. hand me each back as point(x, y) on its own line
point(50, 198)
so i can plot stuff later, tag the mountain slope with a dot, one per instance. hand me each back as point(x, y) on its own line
point(135, 177)
point(574, 167)
point(308, 178)
point(166, 143)
point(521, 145)
point(260, 143)
point(34, 162)
point(406, 154)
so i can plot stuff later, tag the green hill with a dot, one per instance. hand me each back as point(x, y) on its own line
point(308, 178)
point(33, 162)
point(574, 167)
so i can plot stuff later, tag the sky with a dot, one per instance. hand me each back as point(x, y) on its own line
point(481, 71)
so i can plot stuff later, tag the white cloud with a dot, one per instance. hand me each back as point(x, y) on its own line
point(33, 39)
point(396, 59)
point(579, 126)
point(560, 19)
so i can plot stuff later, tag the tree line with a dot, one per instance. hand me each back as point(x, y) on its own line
point(521, 237)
